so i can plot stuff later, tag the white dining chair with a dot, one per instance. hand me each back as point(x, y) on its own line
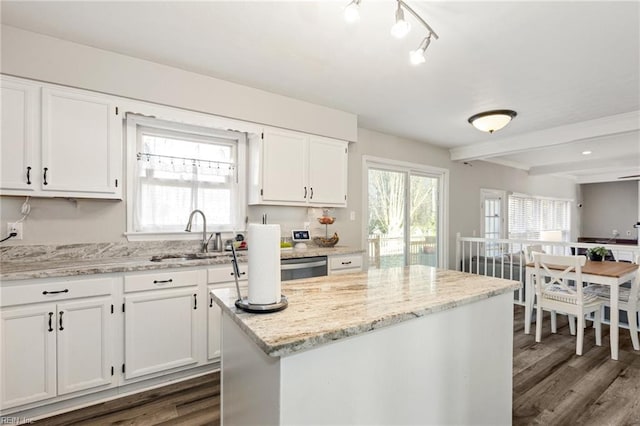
point(558, 291)
point(627, 301)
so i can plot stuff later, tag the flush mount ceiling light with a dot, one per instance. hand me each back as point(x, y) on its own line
point(400, 28)
point(490, 121)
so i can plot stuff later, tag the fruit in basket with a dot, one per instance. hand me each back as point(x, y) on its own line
point(326, 220)
point(326, 242)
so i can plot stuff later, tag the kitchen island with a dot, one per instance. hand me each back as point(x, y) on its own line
point(414, 345)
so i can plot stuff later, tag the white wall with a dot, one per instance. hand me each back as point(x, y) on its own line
point(465, 182)
point(40, 57)
point(609, 206)
point(63, 221)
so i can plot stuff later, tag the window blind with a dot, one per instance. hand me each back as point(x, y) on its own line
point(529, 216)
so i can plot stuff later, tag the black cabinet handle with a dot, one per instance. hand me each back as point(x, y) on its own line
point(170, 280)
point(211, 301)
point(346, 263)
point(195, 301)
point(305, 192)
point(45, 176)
point(50, 321)
point(241, 273)
point(66, 290)
point(311, 197)
point(29, 175)
point(61, 327)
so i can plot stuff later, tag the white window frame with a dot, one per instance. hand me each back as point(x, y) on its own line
point(409, 168)
point(183, 121)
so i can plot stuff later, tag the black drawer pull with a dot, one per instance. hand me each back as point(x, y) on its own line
point(170, 280)
point(241, 273)
point(346, 263)
point(45, 176)
point(305, 192)
point(66, 290)
point(61, 327)
point(195, 301)
point(50, 321)
point(29, 175)
point(311, 197)
point(211, 301)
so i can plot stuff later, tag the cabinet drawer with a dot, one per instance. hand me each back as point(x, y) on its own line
point(224, 274)
point(160, 280)
point(55, 291)
point(352, 261)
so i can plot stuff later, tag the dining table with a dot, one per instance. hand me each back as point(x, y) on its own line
point(609, 273)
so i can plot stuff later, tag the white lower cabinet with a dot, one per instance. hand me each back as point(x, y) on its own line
point(345, 264)
point(55, 347)
point(163, 316)
point(220, 277)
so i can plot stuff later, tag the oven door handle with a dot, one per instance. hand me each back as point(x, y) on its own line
point(290, 266)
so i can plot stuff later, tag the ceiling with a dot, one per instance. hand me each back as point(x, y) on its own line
point(570, 69)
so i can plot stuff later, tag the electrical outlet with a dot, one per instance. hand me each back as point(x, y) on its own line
point(352, 216)
point(615, 232)
point(15, 227)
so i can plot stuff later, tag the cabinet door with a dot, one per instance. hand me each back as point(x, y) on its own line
point(81, 144)
point(160, 330)
point(284, 167)
point(28, 354)
point(84, 345)
point(327, 172)
point(18, 168)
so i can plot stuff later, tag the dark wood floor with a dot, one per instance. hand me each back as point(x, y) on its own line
point(551, 386)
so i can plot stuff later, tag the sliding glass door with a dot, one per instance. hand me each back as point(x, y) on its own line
point(404, 216)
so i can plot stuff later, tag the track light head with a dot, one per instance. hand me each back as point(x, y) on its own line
point(416, 57)
point(352, 12)
point(401, 28)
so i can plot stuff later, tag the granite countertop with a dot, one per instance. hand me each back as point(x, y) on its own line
point(30, 268)
point(325, 309)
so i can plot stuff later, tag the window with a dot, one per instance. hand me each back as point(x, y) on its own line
point(179, 168)
point(492, 226)
point(536, 218)
point(406, 210)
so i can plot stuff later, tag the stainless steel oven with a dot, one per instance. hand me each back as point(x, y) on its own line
point(303, 267)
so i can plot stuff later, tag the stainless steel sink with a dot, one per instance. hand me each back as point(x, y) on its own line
point(185, 256)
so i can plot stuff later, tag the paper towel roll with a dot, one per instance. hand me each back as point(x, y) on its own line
point(264, 264)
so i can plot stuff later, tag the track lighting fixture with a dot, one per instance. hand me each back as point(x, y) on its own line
point(490, 121)
point(400, 28)
point(352, 11)
point(416, 57)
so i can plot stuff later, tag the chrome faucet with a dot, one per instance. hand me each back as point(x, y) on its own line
point(205, 241)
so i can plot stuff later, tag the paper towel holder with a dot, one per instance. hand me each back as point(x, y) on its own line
point(262, 309)
point(243, 303)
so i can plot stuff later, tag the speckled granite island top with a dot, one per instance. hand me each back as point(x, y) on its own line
point(330, 308)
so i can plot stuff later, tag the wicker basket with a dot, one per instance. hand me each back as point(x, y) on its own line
point(326, 242)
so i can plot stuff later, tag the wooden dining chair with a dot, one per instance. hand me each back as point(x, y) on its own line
point(558, 284)
point(627, 301)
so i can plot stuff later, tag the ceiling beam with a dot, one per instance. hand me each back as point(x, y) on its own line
point(608, 177)
point(600, 127)
point(616, 164)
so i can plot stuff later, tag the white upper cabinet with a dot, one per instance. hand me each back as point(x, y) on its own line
point(327, 171)
point(295, 169)
point(285, 170)
point(20, 126)
point(80, 143)
point(59, 142)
